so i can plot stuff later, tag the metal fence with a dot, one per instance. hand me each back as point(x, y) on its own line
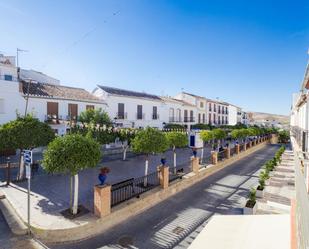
point(233, 151)
point(133, 187)
point(176, 173)
point(221, 155)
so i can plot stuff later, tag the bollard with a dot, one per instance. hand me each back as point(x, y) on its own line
point(164, 176)
point(227, 153)
point(102, 200)
point(214, 157)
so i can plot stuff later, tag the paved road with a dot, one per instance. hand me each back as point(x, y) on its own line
point(174, 223)
point(8, 240)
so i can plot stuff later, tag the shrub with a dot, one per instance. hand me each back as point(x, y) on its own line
point(251, 198)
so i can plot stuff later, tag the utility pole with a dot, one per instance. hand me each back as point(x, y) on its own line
point(27, 98)
point(17, 54)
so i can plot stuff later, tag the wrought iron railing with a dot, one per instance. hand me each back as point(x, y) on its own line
point(133, 187)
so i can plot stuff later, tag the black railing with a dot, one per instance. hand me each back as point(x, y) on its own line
point(189, 119)
point(121, 115)
point(140, 116)
point(155, 116)
point(176, 173)
point(221, 155)
point(133, 187)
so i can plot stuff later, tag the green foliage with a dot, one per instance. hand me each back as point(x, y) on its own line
point(206, 136)
point(202, 126)
point(95, 116)
point(149, 141)
point(174, 126)
point(101, 135)
point(252, 195)
point(284, 136)
point(176, 139)
point(70, 154)
point(252, 131)
point(218, 133)
point(25, 133)
point(126, 134)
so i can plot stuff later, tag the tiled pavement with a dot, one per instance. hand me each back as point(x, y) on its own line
point(280, 188)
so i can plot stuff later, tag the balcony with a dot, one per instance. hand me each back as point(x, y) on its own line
point(155, 116)
point(140, 116)
point(175, 119)
point(52, 119)
point(189, 119)
point(121, 115)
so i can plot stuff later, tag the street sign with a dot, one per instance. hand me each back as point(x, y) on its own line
point(27, 156)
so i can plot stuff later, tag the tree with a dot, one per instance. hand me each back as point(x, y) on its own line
point(25, 133)
point(176, 140)
point(148, 141)
point(284, 136)
point(206, 136)
point(218, 134)
point(69, 155)
point(126, 136)
point(95, 116)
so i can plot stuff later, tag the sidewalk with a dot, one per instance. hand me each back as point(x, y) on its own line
point(280, 188)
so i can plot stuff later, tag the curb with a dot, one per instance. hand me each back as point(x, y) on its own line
point(14, 222)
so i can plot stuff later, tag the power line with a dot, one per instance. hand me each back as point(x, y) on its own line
point(83, 37)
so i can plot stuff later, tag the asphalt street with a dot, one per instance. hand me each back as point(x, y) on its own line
point(175, 222)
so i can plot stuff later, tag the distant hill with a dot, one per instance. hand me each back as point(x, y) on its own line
point(261, 116)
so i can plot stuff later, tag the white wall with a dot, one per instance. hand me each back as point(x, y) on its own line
point(232, 116)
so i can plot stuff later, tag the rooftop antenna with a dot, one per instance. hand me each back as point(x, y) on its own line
point(17, 53)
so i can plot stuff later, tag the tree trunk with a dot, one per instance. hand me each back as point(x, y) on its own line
point(125, 153)
point(21, 166)
point(175, 159)
point(71, 193)
point(75, 202)
point(202, 154)
point(146, 172)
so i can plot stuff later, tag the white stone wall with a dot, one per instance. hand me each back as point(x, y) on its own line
point(232, 116)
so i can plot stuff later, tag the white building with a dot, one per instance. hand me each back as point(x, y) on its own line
point(55, 104)
point(232, 115)
point(200, 103)
point(132, 109)
point(178, 111)
point(299, 117)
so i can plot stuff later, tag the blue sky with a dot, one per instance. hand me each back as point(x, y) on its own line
point(250, 53)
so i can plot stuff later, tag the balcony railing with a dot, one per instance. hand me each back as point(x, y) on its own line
point(121, 115)
point(140, 116)
point(52, 119)
point(155, 116)
point(189, 119)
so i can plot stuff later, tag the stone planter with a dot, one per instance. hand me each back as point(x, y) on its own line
point(259, 193)
point(249, 210)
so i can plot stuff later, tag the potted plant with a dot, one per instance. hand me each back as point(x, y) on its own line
point(251, 206)
point(261, 186)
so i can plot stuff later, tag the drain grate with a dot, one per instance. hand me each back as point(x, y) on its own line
point(125, 241)
point(178, 230)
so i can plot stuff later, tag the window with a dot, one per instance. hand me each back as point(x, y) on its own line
point(210, 107)
point(171, 117)
point(209, 119)
point(186, 118)
point(155, 112)
point(72, 111)
point(139, 112)
point(89, 107)
point(202, 104)
point(215, 109)
point(52, 112)
point(199, 118)
point(8, 77)
point(120, 113)
point(178, 115)
point(191, 116)
point(204, 118)
point(214, 117)
point(1, 105)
